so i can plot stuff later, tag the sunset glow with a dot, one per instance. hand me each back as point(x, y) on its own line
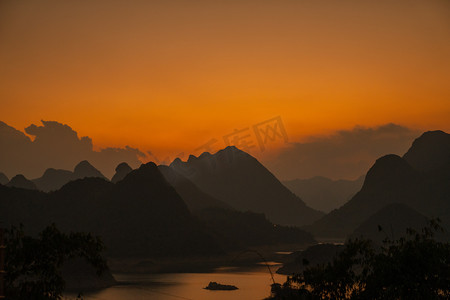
point(171, 75)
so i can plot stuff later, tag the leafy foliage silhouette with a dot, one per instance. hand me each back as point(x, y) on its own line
point(33, 265)
point(416, 266)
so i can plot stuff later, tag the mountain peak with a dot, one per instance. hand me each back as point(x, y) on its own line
point(123, 167)
point(51, 172)
point(85, 169)
point(430, 151)
point(389, 170)
point(19, 181)
point(147, 175)
point(192, 158)
point(241, 181)
point(177, 161)
point(3, 178)
point(122, 170)
point(231, 148)
point(205, 154)
point(53, 179)
point(148, 166)
point(84, 164)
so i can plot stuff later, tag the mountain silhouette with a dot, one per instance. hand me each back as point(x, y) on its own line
point(19, 181)
point(54, 179)
point(141, 215)
point(3, 178)
point(393, 180)
point(122, 170)
point(233, 229)
point(430, 151)
point(194, 198)
point(85, 169)
point(146, 213)
point(324, 194)
point(239, 180)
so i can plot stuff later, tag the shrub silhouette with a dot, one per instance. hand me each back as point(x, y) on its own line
point(33, 265)
point(416, 266)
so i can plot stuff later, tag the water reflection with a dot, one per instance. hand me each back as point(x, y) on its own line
point(252, 283)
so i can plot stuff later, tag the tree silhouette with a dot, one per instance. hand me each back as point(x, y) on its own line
point(33, 265)
point(416, 266)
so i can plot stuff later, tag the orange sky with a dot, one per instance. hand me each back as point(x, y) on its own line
point(168, 76)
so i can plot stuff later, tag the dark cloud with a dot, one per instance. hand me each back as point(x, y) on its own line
point(58, 146)
point(345, 154)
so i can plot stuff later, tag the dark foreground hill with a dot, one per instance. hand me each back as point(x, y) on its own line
point(239, 180)
point(420, 180)
point(141, 215)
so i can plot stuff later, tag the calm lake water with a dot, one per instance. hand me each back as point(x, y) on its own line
point(253, 284)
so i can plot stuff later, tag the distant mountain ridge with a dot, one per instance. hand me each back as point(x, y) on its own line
point(143, 215)
point(54, 179)
point(423, 186)
point(19, 181)
point(324, 194)
point(238, 179)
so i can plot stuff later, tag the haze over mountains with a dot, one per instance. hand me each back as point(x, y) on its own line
point(239, 180)
point(20, 181)
point(229, 179)
point(345, 153)
point(142, 213)
point(228, 201)
point(53, 179)
point(324, 194)
point(420, 179)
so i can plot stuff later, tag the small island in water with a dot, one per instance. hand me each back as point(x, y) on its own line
point(220, 287)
